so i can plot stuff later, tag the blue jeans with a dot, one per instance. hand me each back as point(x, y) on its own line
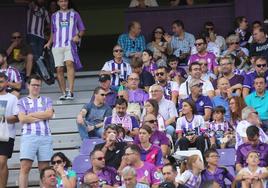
point(37, 45)
point(82, 128)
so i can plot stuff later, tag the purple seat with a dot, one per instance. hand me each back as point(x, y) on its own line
point(227, 157)
point(89, 144)
point(81, 164)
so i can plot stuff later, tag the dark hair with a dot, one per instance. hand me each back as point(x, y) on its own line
point(209, 23)
point(162, 67)
point(263, 58)
point(238, 21)
point(3, 75)
point(252, 131)
point(63, 157)
point(121, 129)
point(179, 23)
point(192, 105)
point(93, 153)
point(220, 109)
point(131, 24)
point(149, 52)
point(240, 103)
point(209, 151)
point(3, 53)
point(111, 126)
point(43, 171)
point(201, 36)
point(134, 148)
point(97, 90)
point(121, 101)
point(256, 22)
point(259, 76)
point(136, 63)
point(192, 64)
point(147, 128)
point(167, 184)
point(173, 167)
point(35, 77)
point(158, 27)
point(155, 105)
point(172, 58)
point(208, 184)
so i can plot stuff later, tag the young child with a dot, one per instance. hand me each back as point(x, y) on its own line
point(191, 178)
point(253, 176)
point(213, 171)
point(176, 73)
point(219, 131)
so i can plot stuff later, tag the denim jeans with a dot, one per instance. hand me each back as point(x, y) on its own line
point(82, 128)
point(37, 45)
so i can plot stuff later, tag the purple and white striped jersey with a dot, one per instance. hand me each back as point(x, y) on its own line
point(124, 68)
point(27, 105)
point(36, 18)
point(12, 74)
point(190, 180)
point(65, 25)
point(194, 127)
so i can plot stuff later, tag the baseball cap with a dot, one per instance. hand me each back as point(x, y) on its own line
point(104, 77)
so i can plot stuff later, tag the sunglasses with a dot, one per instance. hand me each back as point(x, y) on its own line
point(198, 44)
point(118, 50)
point(56, 162)
point(100, 158)
point(102, 94)
point(16, 37)
point(152, 121)
point(160, 74)
point(261, 65)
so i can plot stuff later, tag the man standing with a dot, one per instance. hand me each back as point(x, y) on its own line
point(67, 29)
point(36, 141)
point(8, 102)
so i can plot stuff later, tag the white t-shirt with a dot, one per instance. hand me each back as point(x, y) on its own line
point(8, 106)
point(259, 170)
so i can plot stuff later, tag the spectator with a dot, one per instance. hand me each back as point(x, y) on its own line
point(112, 148)
point(13, 76)
point(211, 183)
point(213, 36)
point(202, 53)
point(128, 122)
point(240, 53)
point(249, 117)
point(254, 25)
point(253, 144)
point(151, 107)
point(203, 103)
point(189, 128)
point(259, 48)
point(226, 70)
point(64, 49)
point(170, 173)
point(48, 177)
point(213, 171)
point(91, 180)
point(148, 62)
point(65, 176)
point(236, 104)
point(130, 178)
point(158, 45)
point(260, 69)
point(143, 3)
point(166, 108)
point(206, 74)
point(149, 152)
point(180, 43)
point(8, 104)
point(117, 68)
point(195, 73)
point(107, 175)
point(146, 172)
point(174, 3)
point(241, 30)
point(259, 100)
point(91, 116)
point(133, 42)
point(35, 111)
point(171, 88)
point(192, 176)
point(253, 174)
point(146, 78)
point(37, 21)
point(19, 55)
point(176, 73)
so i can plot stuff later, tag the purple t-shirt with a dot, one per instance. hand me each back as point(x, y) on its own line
point(249, 80)
point(219, 175)
point(152, 155)
point(151, 68)
point(157, 138)
point(137, 96)
point(209, 57)
point(236, 79)
point(242, 152)
point(148, 171)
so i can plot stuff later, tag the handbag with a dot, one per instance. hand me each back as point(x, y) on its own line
point(4, 132)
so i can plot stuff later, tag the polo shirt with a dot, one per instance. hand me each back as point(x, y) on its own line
point(249, 80)
point(259, 103)
point(221, 101)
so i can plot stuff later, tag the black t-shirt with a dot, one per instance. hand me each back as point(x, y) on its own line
point(146, 79)
point(113, 158)
point(257, 49)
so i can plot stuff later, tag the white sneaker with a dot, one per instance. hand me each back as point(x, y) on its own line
point(69, 96)
point(62, 97)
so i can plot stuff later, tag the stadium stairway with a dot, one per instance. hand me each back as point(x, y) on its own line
point(63, 125)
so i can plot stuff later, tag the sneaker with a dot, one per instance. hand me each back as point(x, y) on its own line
point(69, 95)
point(62, 97)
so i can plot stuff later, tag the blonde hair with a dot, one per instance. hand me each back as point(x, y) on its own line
point(232, 38)
point(188, 165)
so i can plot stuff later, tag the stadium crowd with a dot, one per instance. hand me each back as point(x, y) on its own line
point(172, 94)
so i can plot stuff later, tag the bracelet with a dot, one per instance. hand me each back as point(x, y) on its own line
point(63, 176)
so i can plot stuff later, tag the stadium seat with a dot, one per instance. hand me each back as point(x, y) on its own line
point(81, 164)
point(89, 144)
point(227, 157)
point(181, 155)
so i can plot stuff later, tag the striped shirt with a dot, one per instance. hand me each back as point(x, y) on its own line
point(36, 18)
point(194, 127)
point(27, 105)
point(190, 180)
point(12, 74)
point(125, 71)
point(65, 25)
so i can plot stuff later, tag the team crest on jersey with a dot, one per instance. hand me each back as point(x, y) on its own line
point(146, 173)
point(64, 23)
point(201, 103)
point(157, 175)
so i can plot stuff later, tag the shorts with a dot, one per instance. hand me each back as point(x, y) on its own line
point(6, 148)
point(62, 54)
point(32, 145)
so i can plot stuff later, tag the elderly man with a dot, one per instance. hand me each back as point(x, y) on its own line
point(129, 176)
point(253, 143)
point(117, 68)
point(48, 178)
point(133, 43)
point(166, 107)
point(203, 103)
point(91, 180)
point(91, 116)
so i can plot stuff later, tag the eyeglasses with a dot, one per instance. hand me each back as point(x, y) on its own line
point(35, 85)
point(133, 79)
point(158, 32)
point(231, 43)
point(261, 65)
point(152, 121)
point(118, 50)
point(198, 44)
point(103, 94)
point(159, 74)
point(223, 64)
point(100, 158)
point(56, 162)
point(16, 37)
